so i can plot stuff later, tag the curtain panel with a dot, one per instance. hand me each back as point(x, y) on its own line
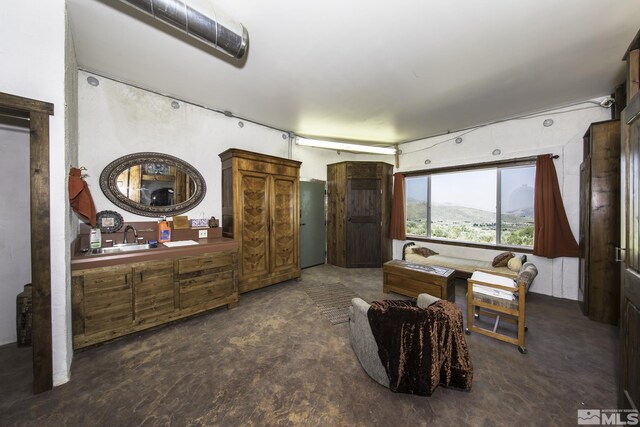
point(552, 235)
point(397, 208)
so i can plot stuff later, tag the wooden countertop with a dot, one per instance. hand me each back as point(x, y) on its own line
point(80, 261)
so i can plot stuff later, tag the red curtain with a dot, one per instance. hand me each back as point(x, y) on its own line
point(552, 235)
point(397, 208)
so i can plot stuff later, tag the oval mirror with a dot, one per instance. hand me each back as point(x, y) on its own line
point(152, 184)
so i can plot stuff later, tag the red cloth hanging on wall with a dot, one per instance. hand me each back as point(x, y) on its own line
point(80, 196)
point(398, 231)
point(552, 235)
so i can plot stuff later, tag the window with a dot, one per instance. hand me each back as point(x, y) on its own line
point(479, 205)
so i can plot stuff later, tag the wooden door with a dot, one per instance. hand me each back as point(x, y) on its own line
point(284, 214)
point(254, 225)
point(629, 396)
point(153, 289)
point(363, 223)
point(107, 299)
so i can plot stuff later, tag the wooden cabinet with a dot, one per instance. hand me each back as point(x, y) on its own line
point(359, 213)
point(261, 210)
point(109, 302)
point(599, 273)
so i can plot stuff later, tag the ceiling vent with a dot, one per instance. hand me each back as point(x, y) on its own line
point(218, 31)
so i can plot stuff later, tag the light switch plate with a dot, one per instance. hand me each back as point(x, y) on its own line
point(202, 234)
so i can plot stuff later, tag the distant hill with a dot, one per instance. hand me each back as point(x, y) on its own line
point(460, 214)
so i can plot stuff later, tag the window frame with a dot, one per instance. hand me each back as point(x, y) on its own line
point(527, 161)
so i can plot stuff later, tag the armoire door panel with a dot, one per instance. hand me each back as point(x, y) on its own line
point(284, 217)
point(255, 225)
point(363, 223)
point(629, 392)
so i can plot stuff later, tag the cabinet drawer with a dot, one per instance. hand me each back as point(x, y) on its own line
point(204, 262)
point(203, 289)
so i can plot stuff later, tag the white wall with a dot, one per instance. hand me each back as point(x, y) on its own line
point(15, 225)
point(518, 138)
point(32, 45)
point(117, 119)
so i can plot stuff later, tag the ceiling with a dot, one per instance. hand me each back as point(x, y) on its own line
point(384, 71)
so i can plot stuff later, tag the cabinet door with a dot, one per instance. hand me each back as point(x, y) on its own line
point(205, 279)
point(284, 223)
point(153, 289)
point(363, 223)
point(107, 299)
point(254, 224)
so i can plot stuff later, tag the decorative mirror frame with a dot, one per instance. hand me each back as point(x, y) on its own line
point(109, 184)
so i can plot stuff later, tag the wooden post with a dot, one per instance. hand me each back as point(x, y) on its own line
point(41, 253)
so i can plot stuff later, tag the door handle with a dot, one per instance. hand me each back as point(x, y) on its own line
point(304, 223)
point(349, 219)
point(618, 253)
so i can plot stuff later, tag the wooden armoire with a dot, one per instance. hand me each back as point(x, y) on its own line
point(599, 273)
point(261, 209)
point(359, 213)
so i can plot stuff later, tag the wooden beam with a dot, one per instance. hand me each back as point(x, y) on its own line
point(41, 253)
point(25, 105)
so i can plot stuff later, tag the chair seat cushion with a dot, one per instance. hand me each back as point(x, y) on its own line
point(500, 302)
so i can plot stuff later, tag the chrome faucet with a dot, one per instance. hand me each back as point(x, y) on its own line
point(127, 228)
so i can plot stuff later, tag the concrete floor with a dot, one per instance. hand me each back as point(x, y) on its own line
point(275, 361)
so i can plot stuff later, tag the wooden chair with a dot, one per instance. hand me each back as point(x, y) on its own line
point(511, 309)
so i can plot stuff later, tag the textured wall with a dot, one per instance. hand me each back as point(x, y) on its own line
point(37, 57)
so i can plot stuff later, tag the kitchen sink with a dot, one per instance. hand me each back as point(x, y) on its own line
point(119, 248)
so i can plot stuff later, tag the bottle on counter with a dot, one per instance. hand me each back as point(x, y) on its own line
point(95, 238)
point(164, 231)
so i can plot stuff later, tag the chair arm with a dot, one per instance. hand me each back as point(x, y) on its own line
point(509, 275)
point(492, 285)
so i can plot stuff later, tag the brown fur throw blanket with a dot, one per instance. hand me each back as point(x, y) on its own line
point(421, 348)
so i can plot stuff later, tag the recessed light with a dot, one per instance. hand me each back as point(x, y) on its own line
point(458, 140)
point(496, 152)
point(426, 162)
point(93, 81)
point(175, 105)
point(547, 123)
point(285, 136)
point(240, 124)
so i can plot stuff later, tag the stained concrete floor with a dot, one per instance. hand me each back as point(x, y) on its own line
point(275, 361)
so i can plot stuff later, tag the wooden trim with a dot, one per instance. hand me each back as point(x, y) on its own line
point(521, 249)
point(633, 82)
point(634, 45)
point(486, 165)
point(18, 104)
point(38, 113)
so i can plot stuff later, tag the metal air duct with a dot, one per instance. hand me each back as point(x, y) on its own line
point(218, 31)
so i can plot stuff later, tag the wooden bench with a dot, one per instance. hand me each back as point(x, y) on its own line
point(411, 279)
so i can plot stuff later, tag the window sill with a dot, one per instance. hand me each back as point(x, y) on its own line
point(520, 249)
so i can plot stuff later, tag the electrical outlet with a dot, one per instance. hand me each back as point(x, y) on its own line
point(202, 234)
